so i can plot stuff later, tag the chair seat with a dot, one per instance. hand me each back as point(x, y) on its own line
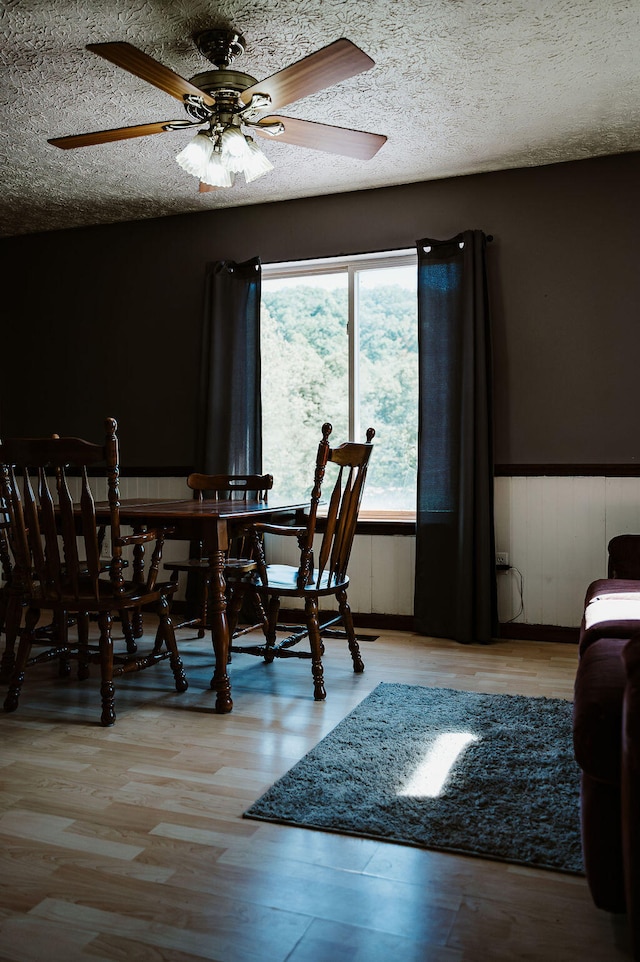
point(133, 595)
point(235, 565)
point(282, 579)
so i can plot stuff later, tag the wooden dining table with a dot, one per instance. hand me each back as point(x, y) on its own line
point(213, 523)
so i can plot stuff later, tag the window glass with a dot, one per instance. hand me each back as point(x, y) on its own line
point(388, 390)
point(304, 350)
point(341, 346)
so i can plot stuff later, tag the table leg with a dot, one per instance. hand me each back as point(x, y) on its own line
point(219, 633)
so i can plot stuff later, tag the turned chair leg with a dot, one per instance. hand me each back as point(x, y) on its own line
point(83, 646)
point(352, 641)
point(204, 607)
point(12, 631)
point(270, 629)
point(315, 641)
point(130, 631)
point(260, 613)
point(167, 634)
point(60, 633)
point(107, 690)
point(234, 605)
point(24, 648)
point(3, 606)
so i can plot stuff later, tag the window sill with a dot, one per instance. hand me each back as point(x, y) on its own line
point(381, 523)
point(379, 514)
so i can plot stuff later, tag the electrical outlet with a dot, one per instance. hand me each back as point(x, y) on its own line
point(502, 559)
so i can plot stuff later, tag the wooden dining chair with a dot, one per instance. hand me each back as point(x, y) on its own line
point(221, 487)
point(44, 634)
point(308, 580)
point(56, 563)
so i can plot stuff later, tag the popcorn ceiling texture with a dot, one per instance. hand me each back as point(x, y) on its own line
point(459, 87)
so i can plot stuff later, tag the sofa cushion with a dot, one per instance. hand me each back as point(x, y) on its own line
point(597, 709)
point(612, 610)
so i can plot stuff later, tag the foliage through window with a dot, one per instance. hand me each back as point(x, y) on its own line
point(339, 343)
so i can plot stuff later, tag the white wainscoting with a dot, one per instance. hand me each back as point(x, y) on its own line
point(381, 572)
point(555, 530)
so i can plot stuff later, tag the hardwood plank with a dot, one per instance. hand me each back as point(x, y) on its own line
point(354, 943)
point(130, 843)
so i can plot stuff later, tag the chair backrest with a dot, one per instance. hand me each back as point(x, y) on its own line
point(231, 487)
point(352, 460)
point(54, 538)
point(228, 487)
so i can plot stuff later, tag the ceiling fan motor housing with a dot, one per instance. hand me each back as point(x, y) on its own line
point(225, 86)
point(213, 80)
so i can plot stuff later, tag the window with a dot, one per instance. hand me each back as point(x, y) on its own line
point(340, 344)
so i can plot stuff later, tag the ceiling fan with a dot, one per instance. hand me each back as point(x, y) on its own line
point(225, 103)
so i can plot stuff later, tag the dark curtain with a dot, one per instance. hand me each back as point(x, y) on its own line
point(229, 422)
point(455, 592)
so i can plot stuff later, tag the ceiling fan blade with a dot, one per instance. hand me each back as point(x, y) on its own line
point(128, 57)
point(335, 140)
point(338, 61)
point(107, 136)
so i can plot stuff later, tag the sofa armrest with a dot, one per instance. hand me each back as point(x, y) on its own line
point(630, 787)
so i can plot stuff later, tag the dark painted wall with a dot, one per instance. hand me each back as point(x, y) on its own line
point(106, 320)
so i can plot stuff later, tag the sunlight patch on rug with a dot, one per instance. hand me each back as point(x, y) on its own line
point(430, 777)
point(505, 784)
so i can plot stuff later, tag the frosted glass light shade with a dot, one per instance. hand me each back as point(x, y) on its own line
point(235, 150)
point(196, 155)
point(256, 163)
point(215, 173)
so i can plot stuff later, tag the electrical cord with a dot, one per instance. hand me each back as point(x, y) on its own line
point(521, 576)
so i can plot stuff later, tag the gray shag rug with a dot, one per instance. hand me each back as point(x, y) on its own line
point(511, 793)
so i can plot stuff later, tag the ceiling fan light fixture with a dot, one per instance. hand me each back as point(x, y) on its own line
point(256, 163)
point(196, 155)
point(215, 158)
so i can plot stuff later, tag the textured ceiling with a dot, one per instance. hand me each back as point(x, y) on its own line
point(459, 87)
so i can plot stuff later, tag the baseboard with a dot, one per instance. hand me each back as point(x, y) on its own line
point(379, 622)
point(521, 632)
point(515, 631)
point(512, 630)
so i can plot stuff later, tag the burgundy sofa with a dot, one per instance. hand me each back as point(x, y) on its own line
point(606, 735)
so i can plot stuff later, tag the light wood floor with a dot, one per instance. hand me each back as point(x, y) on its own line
point(128, 843)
